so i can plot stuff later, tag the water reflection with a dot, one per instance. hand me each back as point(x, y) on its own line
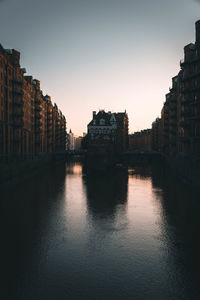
point(106, 194)
point(131, 234)
point(181, 226)
point(25, 211)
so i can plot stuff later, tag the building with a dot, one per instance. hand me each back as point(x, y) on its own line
point(156, 135)
point(190, 108)
point(71, 140)
point(140, 140)
point(29, 123)
point(78, 142)
point(180, 115)
point(108, 132)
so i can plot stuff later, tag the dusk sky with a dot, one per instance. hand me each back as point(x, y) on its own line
point(108, 54)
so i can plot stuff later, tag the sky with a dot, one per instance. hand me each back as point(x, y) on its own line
point(115, 55)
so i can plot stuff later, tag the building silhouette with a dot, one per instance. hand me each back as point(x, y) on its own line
point(141, 140)
point(29, 122)
point(108, 132)
point(178, 130)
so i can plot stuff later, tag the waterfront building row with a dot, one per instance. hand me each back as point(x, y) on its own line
point(178, 129)
point(141, 140)
point(29, 122)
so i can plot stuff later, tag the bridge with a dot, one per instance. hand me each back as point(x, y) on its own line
point(141, 156)
point(75, 152)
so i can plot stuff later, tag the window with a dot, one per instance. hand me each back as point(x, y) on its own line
point(102, 122)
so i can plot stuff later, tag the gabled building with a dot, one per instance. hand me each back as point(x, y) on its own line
point(108, 132)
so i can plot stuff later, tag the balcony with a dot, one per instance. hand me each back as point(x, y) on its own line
point(18, 113)
point(185, 90)
point(182, 63)
point(185, 113)
point(18, 101)
point(17, 91)
point(172, 124)
point(185, 100)
point(38, 130)
point(38, 108)
point(173, 116)
point(172, 131)
point(194, 74)
point(49, 118)
point(185, 139)
point(18, 81)
point(195, 102)
point(18, 123)
point(184, 124)
point(195, 117)
point(17, 139)
point(195, 88)
point(38, 124)
point(172, 107)
point(38, 101)
point(173, 100)
point(38, 116)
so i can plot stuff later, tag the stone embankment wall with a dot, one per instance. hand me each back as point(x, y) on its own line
point(186, 168)
point(17, 170)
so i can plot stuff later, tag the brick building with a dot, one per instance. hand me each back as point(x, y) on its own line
point(156, 135)
point(180, 115)
point(29, 123)
point(108, 132)
point(141, 140)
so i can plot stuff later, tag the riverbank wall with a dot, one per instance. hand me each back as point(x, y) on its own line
point(14, 170)
point(186, 168)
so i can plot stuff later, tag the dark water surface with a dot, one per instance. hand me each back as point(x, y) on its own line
point(130, 234)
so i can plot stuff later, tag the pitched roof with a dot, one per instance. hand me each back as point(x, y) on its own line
point(107, 116)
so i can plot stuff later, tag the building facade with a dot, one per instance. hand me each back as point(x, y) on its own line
point(156, 135)
point(29, 122)
point(108, 132)
point(179, 132)
point(141, 140)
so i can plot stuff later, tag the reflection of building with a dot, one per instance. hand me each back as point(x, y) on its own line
point(29, 123)
point(108, 131)
point(105, 194)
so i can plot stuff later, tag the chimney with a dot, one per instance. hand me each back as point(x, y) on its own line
point(197, 25)
point(94, 114)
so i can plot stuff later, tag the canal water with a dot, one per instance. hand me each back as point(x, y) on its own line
point(129, 234)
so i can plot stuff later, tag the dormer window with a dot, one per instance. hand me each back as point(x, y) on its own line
point(112, 119)
point(102, 122)
point(94, 122)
